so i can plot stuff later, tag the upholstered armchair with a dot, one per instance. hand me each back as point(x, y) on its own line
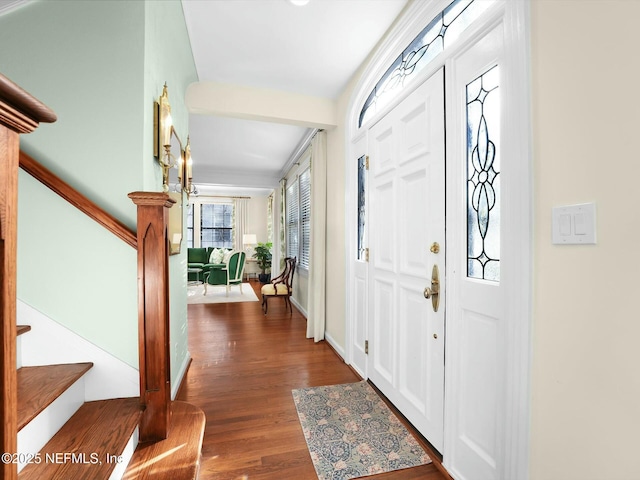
point(281, 286)
point(233, 273)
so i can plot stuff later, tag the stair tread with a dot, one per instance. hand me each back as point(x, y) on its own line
point(96, 430)
point(23, 329)
point(178, 456)
point(39, 386)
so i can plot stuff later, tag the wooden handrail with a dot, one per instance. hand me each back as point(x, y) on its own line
point(75, 198)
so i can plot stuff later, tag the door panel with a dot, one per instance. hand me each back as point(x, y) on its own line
point(411, 358)
point(406, 216)
point(359, 304)
point(413, 261)
point(384, 339)
point(383, 204)
point(477, 320)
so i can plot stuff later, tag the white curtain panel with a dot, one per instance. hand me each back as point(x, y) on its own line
point(317, 270)
point(283, 220)
point(240, 227)
point(270, 218)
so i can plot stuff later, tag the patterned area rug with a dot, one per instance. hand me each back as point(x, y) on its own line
point(217, 294)
point(352, 433)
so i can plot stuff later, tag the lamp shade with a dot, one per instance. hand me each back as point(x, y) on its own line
point(249, 239)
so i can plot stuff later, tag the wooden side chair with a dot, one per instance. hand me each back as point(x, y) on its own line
point(281, 286)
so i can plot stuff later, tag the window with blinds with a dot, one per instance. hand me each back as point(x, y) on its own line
point(293, 215)
point(305, 218)
point(216, 225)
point(299, 218)
point(190, 226)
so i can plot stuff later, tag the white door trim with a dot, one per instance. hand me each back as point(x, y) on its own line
point(514, 430)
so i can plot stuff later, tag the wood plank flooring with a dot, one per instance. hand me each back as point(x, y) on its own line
point(177, 456)
point(244, 366)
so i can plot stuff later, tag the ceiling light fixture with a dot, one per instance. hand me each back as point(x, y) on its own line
point(299, 3)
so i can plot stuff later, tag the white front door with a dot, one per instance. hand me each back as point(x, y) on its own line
point(407, 218)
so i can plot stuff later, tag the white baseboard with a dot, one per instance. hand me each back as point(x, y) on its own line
point(183, 371)
point(50, 343)
point(299, 307)
point(339, 350)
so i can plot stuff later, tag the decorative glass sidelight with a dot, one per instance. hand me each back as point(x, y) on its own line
point(362, 168)
point(483, 176)
point(441, 32)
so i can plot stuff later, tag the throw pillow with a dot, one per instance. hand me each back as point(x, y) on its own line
point(226, 256)
point(216, 256)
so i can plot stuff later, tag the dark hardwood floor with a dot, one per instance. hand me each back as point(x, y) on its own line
point(244, 366)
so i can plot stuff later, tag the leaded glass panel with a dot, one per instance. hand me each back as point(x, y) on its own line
point(362, 168)
point(441, 32)
point(483, 176)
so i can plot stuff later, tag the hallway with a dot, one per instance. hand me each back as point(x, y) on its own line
point(244, 366)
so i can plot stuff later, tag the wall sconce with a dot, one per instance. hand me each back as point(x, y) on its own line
point(187, 171)
point(162, 136)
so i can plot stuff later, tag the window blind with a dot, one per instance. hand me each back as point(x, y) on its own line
point(292, 210)
point(305, 217)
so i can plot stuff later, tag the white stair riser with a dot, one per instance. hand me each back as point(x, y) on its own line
point(19, 352)
point(118, 472)
point(49, 343)
point(38, 432)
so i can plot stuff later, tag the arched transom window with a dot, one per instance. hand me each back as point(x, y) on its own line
point(441, 32)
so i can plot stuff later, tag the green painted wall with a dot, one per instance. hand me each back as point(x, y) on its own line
point(84, 60)
point(99, 65)
point(168, 58)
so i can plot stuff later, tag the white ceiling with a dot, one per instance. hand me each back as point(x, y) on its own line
point(311, 50)
point(270, 44)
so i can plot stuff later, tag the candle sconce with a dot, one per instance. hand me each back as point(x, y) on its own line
point(162, 134)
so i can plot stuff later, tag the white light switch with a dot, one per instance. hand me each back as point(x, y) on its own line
point(574, 224)
point(565, 224)
point(579, 223)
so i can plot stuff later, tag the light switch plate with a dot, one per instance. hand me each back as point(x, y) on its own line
point(574, 224)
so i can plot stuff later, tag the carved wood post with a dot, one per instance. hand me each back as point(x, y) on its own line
point(153, 313)
point(19, 113)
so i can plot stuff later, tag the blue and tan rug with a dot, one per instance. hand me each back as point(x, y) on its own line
point(352, 433)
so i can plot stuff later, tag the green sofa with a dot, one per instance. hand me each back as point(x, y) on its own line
point(199, 258)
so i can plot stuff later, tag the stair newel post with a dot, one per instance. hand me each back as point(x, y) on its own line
point(19, 113)
point(153, 313)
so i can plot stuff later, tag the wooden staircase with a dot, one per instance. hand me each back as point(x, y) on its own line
point(47, 430)
point(91, 440)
